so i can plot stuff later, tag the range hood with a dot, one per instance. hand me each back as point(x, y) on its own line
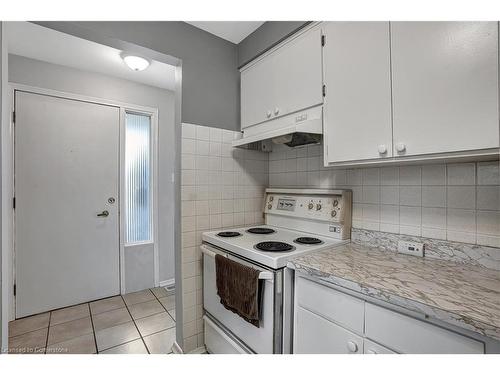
point(297, 129)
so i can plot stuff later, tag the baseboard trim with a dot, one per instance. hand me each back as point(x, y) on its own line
point(170, 283)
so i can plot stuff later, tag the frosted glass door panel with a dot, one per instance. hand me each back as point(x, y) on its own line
point(138, 178)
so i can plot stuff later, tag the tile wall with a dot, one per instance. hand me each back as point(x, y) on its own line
point(456, 202)
point(221, 187)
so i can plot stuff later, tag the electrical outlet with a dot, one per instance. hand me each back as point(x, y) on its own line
point(411, 248)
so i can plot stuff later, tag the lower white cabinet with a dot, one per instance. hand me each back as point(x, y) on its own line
point(323, 327)
point(409, 335)
point(316, 335)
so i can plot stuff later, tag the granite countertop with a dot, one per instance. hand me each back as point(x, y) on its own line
point(463, 295)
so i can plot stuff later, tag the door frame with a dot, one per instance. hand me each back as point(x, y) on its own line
point(123, 108)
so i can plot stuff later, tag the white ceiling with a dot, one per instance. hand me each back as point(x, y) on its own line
point(234, 31)
point(41, 43)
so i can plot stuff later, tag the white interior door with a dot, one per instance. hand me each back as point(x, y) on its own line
point(66, 169)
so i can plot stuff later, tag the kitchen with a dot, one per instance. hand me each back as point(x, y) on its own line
point(333, 187)
point(413, 192)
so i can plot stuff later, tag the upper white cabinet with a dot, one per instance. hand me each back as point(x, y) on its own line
point(410, 91)
point(445, 86)
point(357, 111)
point(284, 81)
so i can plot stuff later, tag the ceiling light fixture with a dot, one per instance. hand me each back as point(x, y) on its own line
point(135, 62)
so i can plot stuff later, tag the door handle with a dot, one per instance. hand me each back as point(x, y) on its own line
point(103, 214)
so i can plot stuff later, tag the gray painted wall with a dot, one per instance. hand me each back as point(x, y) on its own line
point(210, 79)
point(41, 74)
point(265, 37)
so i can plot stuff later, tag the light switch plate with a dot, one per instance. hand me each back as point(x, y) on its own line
point(411, 248)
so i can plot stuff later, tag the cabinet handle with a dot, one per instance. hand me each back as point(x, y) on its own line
point(382, 149)
point(276, 111)
point(268, 114)
point(352, 346)
point(401, 147)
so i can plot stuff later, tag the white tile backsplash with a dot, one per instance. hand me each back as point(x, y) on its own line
point(488, 173)
point(434, 174)
point(488, 198)
point(410, 195)
point(221, 187)
point(443, 201)
point(371, 176)
point(389, 195)
point(410, 175)
point(433, 217)
point(389, 176)
point(371, 194)
point(434, 196)
point(461, 197)
point(461, 174)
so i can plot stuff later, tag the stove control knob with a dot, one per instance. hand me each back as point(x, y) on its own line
point(318, 207)
point(269, 206)
point(335, 203)
point(310, 206)
point(334, 213)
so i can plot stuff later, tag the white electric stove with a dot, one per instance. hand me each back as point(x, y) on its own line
point(245, 244)
point(297, 221)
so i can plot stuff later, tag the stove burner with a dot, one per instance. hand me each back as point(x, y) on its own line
point(229, 234)
point(308, 241)
point(261, 230)
point(273, 246)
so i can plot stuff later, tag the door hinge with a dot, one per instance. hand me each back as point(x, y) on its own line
point(324, 91)
point(14, 203)
point(14, 117)
point(323, 40)
point(15, 289)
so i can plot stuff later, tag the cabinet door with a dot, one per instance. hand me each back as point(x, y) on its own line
point(315, 335)
point(287, 80)
point(357, 110)
point(445, 86)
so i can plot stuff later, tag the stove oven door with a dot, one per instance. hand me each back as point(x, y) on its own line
point(259, 340)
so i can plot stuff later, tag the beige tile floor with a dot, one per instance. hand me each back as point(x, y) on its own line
point(135, 323)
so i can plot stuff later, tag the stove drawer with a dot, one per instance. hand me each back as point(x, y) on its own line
point(336, 306)
point(218, 342)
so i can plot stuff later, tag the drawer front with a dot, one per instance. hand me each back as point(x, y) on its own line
point(370, 347)
point(337, 306)
point(316, 335)
point(409, 335)
point(218, 342)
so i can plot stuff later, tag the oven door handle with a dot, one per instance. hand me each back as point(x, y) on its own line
point(263, 275)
